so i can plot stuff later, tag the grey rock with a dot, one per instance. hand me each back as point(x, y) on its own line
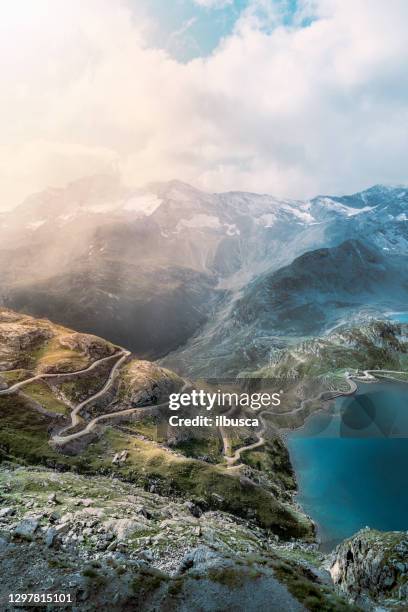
point(6, 512)
point(370, 567)
point(120, 457)
point(26, 528)
point(388, 581)
point(144, 512)
point(147, 555)
point(194, 509)
point(50, 537)
point(199, 557)
point(217, 498)
point(4, 544)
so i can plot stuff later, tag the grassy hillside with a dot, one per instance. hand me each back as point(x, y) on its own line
point(32, 416)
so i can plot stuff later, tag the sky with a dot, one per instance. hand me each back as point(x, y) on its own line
point(290, 97)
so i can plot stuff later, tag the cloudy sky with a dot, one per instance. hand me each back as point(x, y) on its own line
point(291, 97)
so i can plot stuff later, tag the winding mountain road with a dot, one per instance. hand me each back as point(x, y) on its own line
point(123, 354)
point(75, 419)
point(58, 439)
point(231, 461)
point(61, 439)
point(17, 386)
point(367, 376)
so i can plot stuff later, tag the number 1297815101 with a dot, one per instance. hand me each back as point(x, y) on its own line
point(39, 598)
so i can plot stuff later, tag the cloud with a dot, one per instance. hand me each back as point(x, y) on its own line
point(31, 167)
point(290, 109)
point(182, 39)
point(213, 4)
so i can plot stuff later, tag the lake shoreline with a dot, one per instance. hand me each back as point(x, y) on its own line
point(308, 485)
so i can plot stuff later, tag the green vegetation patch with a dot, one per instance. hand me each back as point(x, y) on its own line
point(51, 356)
point(230, 576)
point(210, 448)
point(40, 392)
point(146, 426)
point(147, 463)
point(273, 460)
point(14, 376)
point(147, 581)
point(25, 435)
point(83, 386)
point(24, 431)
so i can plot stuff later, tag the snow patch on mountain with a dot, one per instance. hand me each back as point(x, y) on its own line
point(342, 209)
point(202, 221)
point(267, 220)
point(303, 215)
point(357, 211)
point(144, 204)
point(199, 221)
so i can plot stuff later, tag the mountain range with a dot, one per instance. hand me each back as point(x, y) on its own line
point(209, 283)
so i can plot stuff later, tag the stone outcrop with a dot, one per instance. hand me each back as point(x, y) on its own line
point(372, 568)
point(88, 344)
point(146, 383)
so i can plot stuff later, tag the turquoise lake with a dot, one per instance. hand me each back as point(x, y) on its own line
point(400, 317)
point(351, 463)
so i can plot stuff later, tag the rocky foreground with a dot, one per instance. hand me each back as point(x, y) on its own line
point(108, 543)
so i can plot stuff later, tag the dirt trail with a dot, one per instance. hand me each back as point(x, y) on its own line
point(60, 438)
point(232, 461)
point(23, 383)
point(147, 408)
point(367, 376)
point(75, 419)
point(123, 354)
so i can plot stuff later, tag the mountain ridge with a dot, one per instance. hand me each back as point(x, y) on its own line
point(175, 244)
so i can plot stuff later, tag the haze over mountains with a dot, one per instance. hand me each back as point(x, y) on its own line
point(210, 282)
point(322, 285)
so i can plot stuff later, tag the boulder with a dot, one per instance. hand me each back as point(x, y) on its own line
point(26, 528)
point(371, 566)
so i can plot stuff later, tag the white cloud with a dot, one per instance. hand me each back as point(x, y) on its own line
point(290, 110)
point(217, 4)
